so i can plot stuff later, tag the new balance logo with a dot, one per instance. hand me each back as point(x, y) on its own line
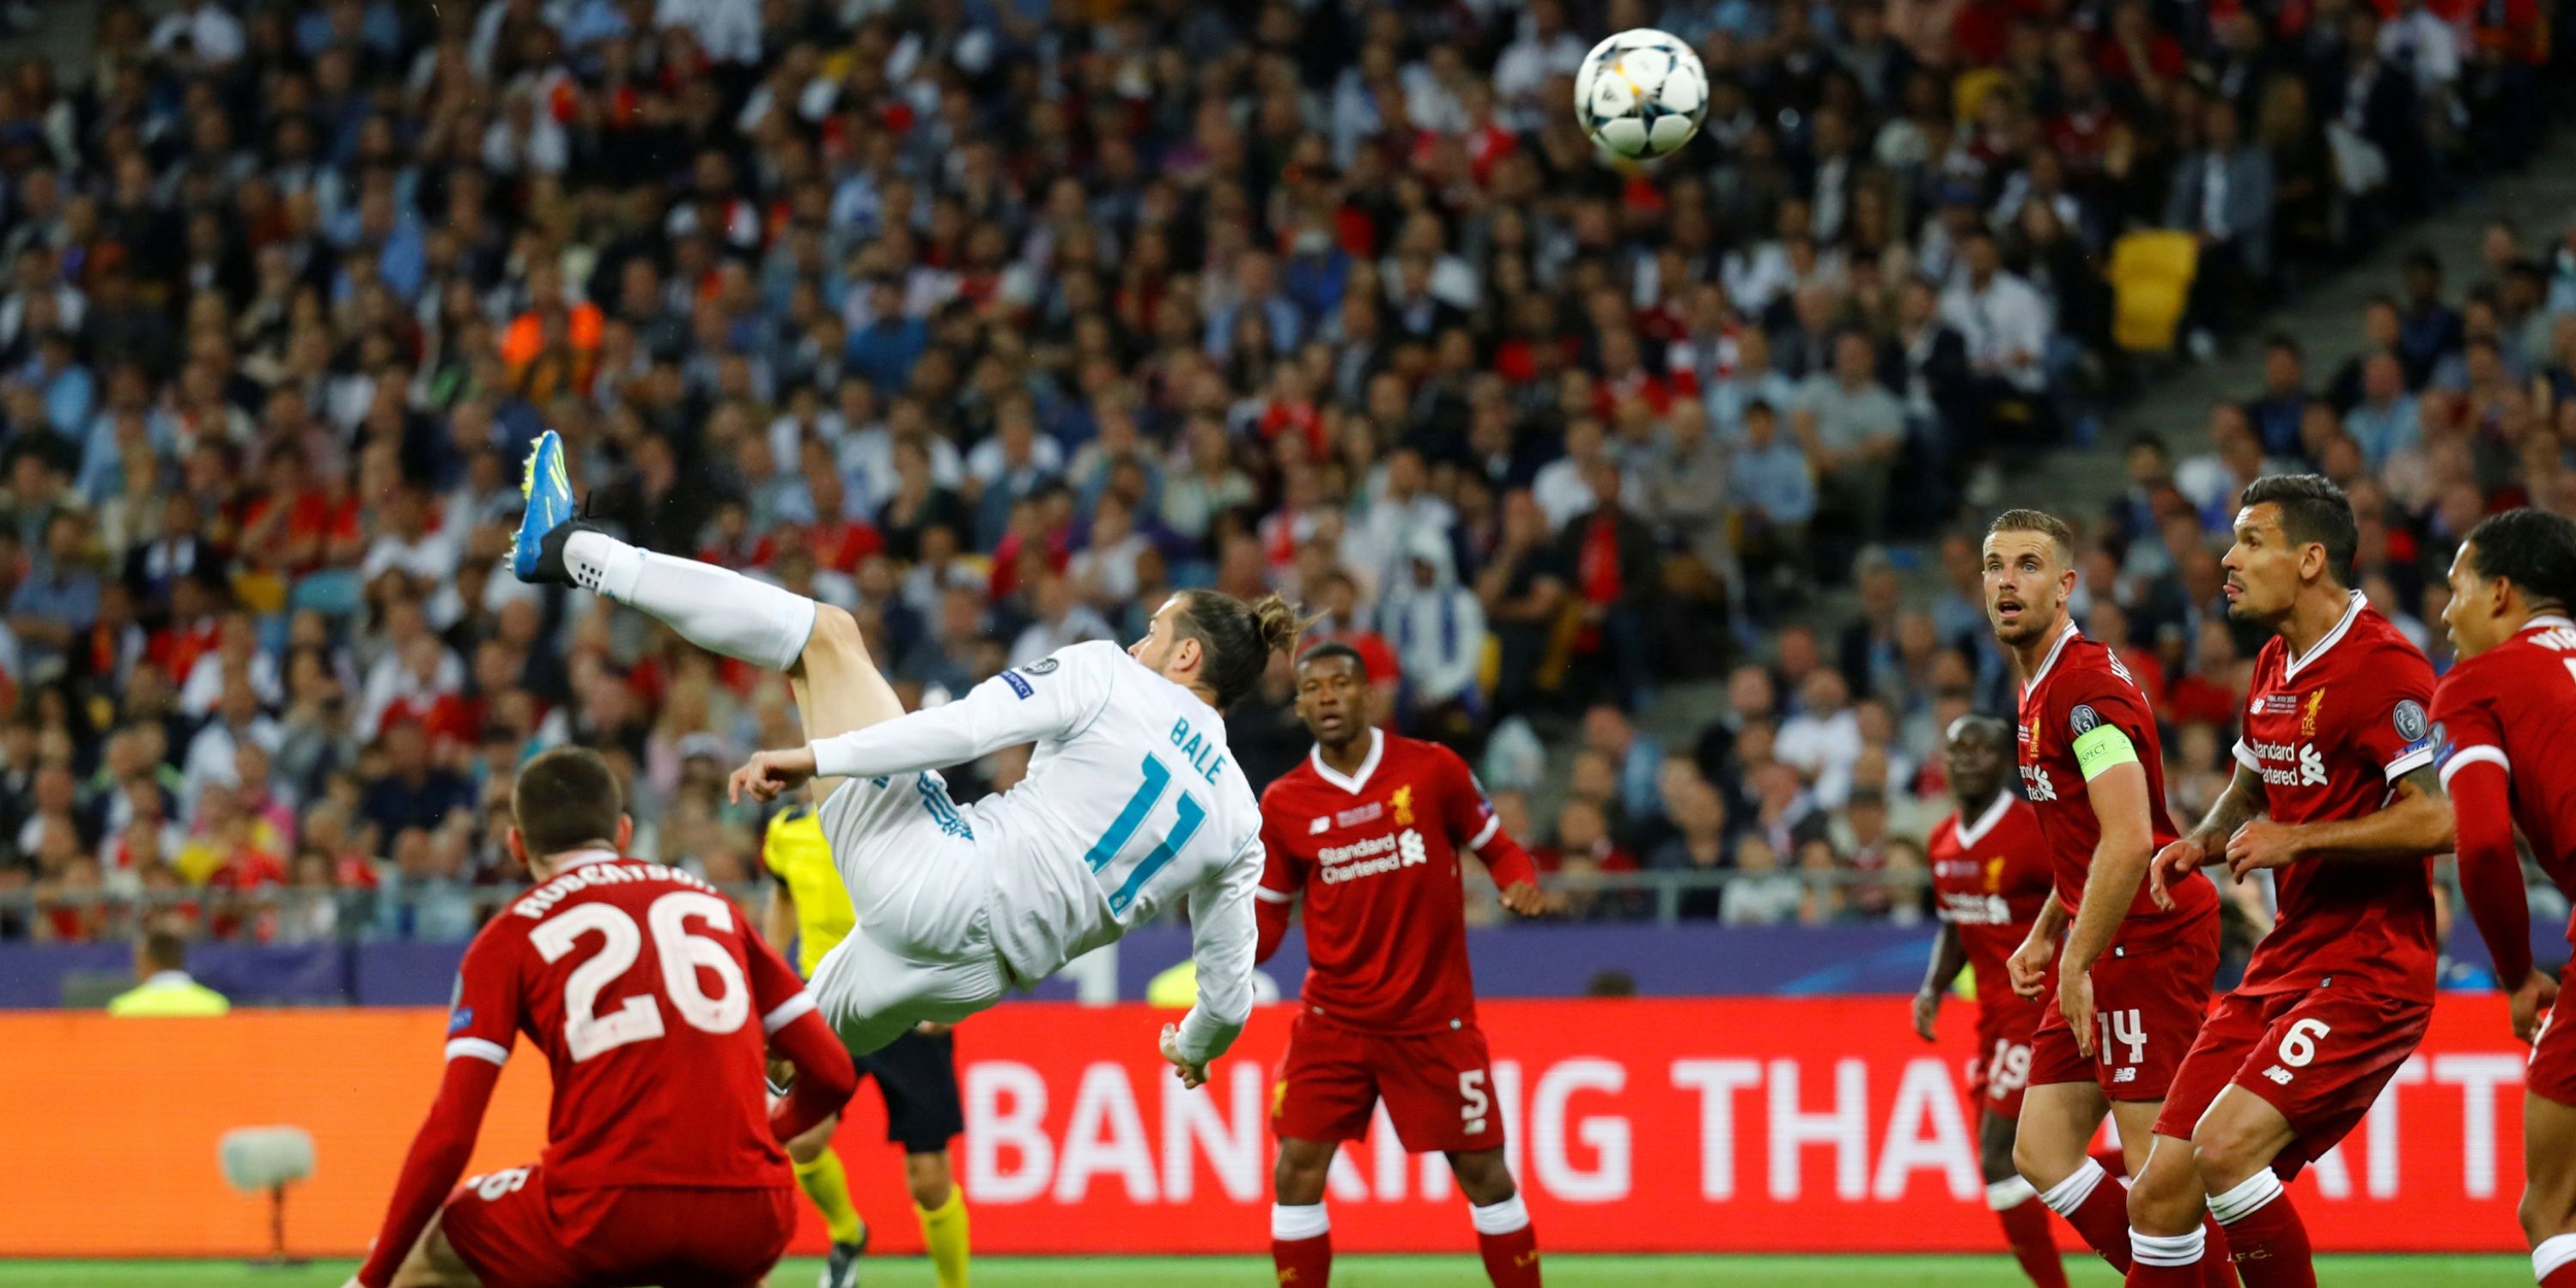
point(2124, 1074)
point(2278, 1074)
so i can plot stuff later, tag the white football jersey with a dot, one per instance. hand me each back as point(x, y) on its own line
point(1131, 801)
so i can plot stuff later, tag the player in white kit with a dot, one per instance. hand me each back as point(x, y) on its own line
point(1131, 799)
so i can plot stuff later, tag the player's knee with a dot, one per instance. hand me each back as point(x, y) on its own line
point(1482, 1177)
point(928, 1177)
point(1297, 1181)
point(2164, 1200)
point(2545, 1215)
point(2035, 1164)
point(836, 635)
point(2225, 1154)
point(809, 1145)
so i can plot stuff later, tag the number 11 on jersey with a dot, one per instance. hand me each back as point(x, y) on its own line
point(1158, 781)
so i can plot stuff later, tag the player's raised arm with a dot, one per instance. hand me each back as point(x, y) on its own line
point(1049, 698)
point(1223, 938)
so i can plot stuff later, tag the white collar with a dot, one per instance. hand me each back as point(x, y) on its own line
point(2064, 638)
point(583, 859)
point(169, 979)
point(1355, 783)
point(2352, 609)
point(1971, 833)
point(2546, 621)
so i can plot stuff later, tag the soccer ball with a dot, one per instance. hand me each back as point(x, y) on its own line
point(1641, 93)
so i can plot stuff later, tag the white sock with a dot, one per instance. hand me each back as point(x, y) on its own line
point(2168, 1249)
point(2005, 1195)
point(2069, 1194)
point(1292, 1222)
point(717, 609)
point(2552, 1255)
point(1499, 1218)
point(2246, 1199)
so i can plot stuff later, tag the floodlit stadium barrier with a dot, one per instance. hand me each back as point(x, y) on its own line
point(1780, 1125)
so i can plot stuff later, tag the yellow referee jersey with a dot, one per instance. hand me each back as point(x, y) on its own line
point(801, 860)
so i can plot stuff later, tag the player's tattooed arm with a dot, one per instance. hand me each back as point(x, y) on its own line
point(2241, 803)
point(2417, 821)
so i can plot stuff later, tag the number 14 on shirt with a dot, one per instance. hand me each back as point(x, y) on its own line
point(1150, 793)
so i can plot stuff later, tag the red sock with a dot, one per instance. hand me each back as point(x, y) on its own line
point(2553, 1261)
point(2218, 1259)
point(1303, 1263)
point(1301, 1245)
point(2167, 1261)
point(2265, 1235)
point(2098, 1208)
point(1511, 1260)
point(1509, 1243)
point(2034, 1245)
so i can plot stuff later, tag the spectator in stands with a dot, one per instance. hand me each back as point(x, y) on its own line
point(1822, 740)
point(1437, 631)
point(1699, 845)
point(2222, 193)
point(1583, 852)
point(2385, 423)
point(1851, 428)
point(1615, 577)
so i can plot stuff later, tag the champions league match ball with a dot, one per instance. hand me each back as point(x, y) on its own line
point(1641, 94)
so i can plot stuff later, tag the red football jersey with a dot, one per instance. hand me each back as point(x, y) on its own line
point(1991, 875)
point(2328, 733)
point(2080, 687)
point(2515, 706)
point(1376, 858)
point(652, 997)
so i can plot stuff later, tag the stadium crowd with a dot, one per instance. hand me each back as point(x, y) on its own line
point(997, 319)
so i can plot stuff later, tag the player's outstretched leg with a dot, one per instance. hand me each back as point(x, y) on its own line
point(2016, 1205)
point(2549, 1198)
point(838, 687)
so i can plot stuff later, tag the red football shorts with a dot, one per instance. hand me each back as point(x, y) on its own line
point(513, 1229)
point(2552, 1075)
point(2320, 1057)
point(1438, 1087)
point(2147, 1006)
point(2000, 1069)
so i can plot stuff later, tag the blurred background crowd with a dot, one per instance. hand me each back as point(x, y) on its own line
point(995, 320)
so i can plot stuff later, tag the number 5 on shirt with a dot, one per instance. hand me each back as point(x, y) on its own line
point(1158, 781)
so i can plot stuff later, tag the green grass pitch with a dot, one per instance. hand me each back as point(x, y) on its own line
point(1353, 1272)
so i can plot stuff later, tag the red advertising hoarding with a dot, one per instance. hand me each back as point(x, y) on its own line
point(1755, 1125)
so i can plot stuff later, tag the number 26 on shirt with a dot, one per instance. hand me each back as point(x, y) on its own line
point(639, 1018)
